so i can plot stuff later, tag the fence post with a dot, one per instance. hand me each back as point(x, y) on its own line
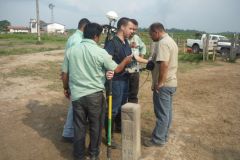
point(205, 47)
point(232, 56)
point(184, 46)
point(131, 131)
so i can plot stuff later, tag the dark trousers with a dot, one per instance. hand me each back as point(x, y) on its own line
point(133, 87)
point(91, 108)
point(119, 98)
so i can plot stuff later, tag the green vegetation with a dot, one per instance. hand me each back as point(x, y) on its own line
point(190, 57)
point(3, 25)
point(32, 38)
point(22, 43)
point(18, 51)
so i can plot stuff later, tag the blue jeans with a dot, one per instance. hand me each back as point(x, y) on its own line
point(68, 130)
point(119, 95)
point(163, 112)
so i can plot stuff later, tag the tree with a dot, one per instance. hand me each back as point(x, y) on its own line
point(3, 25)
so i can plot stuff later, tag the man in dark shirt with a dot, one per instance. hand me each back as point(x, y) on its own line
point(119, 48)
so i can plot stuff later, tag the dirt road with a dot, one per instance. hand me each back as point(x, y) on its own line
point(206, 124)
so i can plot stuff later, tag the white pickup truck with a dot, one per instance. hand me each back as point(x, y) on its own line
point(197, 44)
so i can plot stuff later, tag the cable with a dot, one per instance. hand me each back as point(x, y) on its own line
point(145, 79)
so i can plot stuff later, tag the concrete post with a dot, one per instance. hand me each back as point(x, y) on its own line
point(131, 133)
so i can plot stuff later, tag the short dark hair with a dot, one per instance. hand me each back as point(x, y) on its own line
point(91, 30)
point(157, 27)
point(134, 21)
point(82, 23)
point(122, 22)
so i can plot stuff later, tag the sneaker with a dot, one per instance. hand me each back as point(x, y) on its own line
point(114, 145)
point(67, 139)
point(118, 129)
point(150, 143)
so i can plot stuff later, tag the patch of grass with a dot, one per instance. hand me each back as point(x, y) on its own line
point(47, 70)
point(33, 37)
point(190, 58)
point(184, 67)
point(16, 44)
point(19, 51)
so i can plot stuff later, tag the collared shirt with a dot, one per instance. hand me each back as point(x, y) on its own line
point(139, 49)
point(118, 50)
point(76, 38)
point(86, 65)
point(165, 50)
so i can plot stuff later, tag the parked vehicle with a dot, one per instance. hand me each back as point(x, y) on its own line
point(224, 46)
point(197, 44)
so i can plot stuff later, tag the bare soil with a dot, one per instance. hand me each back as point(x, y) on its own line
point(206, 123)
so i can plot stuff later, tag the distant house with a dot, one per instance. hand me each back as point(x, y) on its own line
point(44, 27)
point(33, 25)
point(54, 28)
point(18, 29)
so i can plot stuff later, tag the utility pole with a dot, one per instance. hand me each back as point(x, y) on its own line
point(38, 22)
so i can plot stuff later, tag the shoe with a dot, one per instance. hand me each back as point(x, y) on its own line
point(114, 145)
point(118, 129)
point(67, 139)
point(150, 143)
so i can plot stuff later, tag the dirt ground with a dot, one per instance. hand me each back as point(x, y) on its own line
point(206, 123)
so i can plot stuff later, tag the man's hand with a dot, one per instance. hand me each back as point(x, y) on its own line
point(128, 59)
point(158, 87)
point(61, 76)
point(150, 65)
point(109, 75)
point(122, 65)
point(67, 93)
point(133, 45)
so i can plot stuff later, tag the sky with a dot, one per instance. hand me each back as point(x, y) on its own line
point(204, 15)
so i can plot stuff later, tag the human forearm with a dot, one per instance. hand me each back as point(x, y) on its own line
point(122, 65)
point(65, 80)
point(163, 69)
point(140, 59)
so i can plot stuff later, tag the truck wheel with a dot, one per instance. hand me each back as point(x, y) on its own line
point(225, 52)
point(195, 48)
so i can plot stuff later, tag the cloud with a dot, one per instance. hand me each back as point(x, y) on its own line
point(211, 16)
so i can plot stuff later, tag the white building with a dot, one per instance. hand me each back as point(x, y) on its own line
point(18, 29)
point(33, 26)
point(54, 28)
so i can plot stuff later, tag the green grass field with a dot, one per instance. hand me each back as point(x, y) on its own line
point(17, 43)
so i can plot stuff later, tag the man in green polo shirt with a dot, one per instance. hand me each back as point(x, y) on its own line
point(84, 78)
point(74, 39)
point(77, 37)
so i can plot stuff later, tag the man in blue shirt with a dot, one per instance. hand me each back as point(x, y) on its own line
point(74, 39)
point(119, 48)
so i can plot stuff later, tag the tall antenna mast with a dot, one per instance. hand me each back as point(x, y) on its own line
point(51, 6)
